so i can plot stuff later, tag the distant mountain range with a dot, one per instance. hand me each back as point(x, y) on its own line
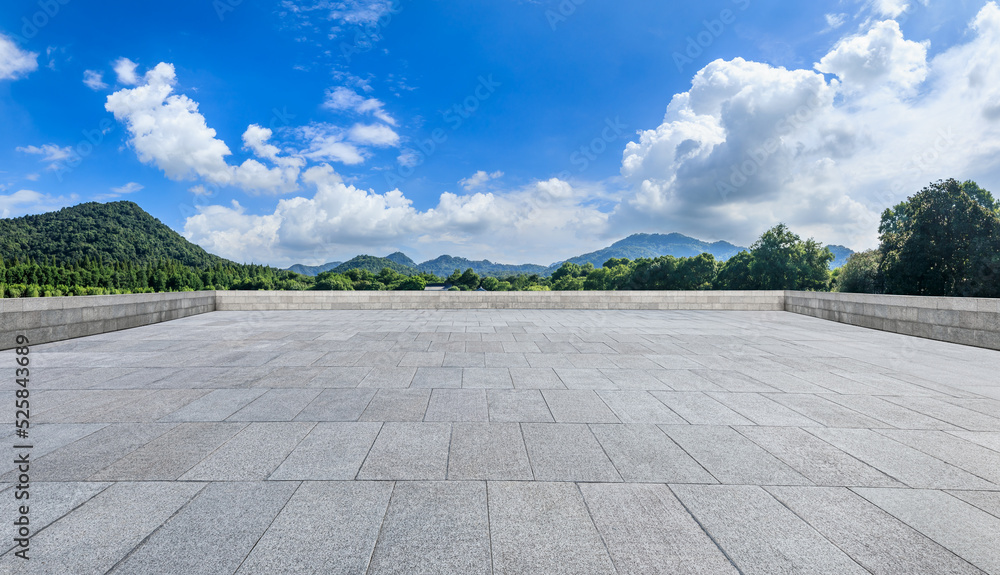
point(633, 247)
point(122, 231)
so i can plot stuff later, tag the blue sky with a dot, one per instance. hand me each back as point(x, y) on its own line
point(293, 131)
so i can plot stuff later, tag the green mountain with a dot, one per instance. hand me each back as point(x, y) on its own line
point(116, 231)
point(374, 265)
point(401, 259)
point(840, 255)
point(444, 266)
point(653, 246)
point(313, 270)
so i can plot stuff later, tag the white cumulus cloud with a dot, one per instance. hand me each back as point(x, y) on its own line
point(479, 179)
point(125, 69)
point(94, 80)
point(50, 153)
point(751, 145)
point(167, 130)
point(15, 62)
point(345, 99)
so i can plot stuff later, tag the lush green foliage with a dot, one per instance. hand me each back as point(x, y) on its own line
point(443, 266)
point(943, 241)
point(652, 246)
point(374, 265)
point(779, 260)
point(859, 274)
point(113, 232)
point(90, 277)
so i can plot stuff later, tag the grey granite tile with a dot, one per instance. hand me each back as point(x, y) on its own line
point(276, 405)
point(464, 359)
point(172, 454)
point(878, 541)
point(435, 527)
point(493, 451)
point(566, 452)
point(732, 458)
point(585, 378)
point(79, 460)
point(56, 500)
point(761, 410)
point(535, 378)
point(638, 407)
point(644, 454)
point(337, 405)
point(343, 520)
point(816, 459)
point(506, 360)
point(545, 529)
point(578, 406)
point(224, 521)
point(343, 376)
point(252, 454)
point(331, 451)
point(408, 451)
point(126, 513)
point(457, 405)
point(636, 379)
point(422, 359)
point(517, 405)
point(905, 464)
point(953, 414)
point(963, 454)
point(889, 413)
point(954, 524)
point(437, 377)
point(699, 409)
point(487, 377)
point(386, 377)
point(759, 534)
point(215, 406)
point(988, 501)
point(397, 405)
point(825, 412)
point(648, 531)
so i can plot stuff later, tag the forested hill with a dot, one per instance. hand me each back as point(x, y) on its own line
point(653, 246)
point(116, 231)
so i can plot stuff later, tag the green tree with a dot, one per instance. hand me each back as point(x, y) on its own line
point(333, 282)
point(943, 241)
point(860, 273)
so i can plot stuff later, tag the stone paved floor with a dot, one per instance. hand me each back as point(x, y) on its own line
point(510, 442)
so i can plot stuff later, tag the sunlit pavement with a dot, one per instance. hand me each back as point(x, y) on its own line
point(509, 442)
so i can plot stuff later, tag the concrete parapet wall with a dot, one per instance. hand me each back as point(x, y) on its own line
point(586, 300)
point(968, 321)
point(48, 319)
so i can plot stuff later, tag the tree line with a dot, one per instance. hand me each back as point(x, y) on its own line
point(943, 241)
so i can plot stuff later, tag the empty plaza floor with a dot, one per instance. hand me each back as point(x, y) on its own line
point(508, 442)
